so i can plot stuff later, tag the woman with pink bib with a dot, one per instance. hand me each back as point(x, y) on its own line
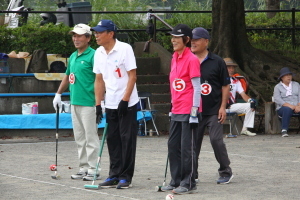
point(185, 94)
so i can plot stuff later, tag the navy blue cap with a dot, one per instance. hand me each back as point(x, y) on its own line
point(105, 25)
point(200, 32)
point(285, 71)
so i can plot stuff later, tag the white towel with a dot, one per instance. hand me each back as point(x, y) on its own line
point(288, 88)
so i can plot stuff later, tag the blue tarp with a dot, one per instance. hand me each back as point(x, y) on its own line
point(47, 121)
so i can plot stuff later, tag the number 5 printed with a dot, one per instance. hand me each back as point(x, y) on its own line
point(178, 85)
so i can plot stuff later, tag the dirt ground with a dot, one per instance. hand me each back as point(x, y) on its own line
point(265, 167)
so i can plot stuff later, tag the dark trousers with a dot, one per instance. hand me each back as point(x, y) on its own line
point(121, 143)
point(181, 151)
point(215, 130)
point(285, 113)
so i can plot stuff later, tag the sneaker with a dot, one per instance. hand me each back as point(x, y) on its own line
point(79, 175)
point(246, 132)
point(231, 136)
point(90, 177)
point(109, 183)
point(183, 190)
point(124, 184)
point(224, 180)
point(167, 188)
point(284, 134)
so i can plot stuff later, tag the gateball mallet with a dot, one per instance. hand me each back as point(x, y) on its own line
point(158, 188)
point(55, 176)
point(96, 187)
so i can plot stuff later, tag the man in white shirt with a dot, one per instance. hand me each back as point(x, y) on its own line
point(247, 108)
point(115, 68)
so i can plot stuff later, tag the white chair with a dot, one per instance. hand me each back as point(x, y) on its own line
point(144, 101)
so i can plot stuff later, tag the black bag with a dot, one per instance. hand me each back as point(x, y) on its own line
point(57, 67)
point(38, 62)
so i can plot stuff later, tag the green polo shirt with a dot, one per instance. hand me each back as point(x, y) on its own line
point(82, 91)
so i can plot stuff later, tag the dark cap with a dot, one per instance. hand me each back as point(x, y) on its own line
point(105, 25)
point(182, 30)
point(285, 71)
point(200, 32)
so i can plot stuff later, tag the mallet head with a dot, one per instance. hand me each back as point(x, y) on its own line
point(55, 176)
point(158, 189)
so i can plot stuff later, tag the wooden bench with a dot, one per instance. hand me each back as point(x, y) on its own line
point(272, 122)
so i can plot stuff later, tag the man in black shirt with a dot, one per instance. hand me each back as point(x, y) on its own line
point(215, 83)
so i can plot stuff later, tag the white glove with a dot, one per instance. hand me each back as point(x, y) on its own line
point(193, 120)
point(103, 107)
point(57, 101)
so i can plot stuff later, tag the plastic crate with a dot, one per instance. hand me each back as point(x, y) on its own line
point(84, 18)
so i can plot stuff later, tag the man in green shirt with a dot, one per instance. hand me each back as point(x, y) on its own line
point(80, 80)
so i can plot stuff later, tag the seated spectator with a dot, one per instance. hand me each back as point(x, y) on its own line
point(245, 108)
point(287, 98)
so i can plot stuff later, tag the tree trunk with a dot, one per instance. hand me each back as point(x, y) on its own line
point(229, 39)
point(272, 5)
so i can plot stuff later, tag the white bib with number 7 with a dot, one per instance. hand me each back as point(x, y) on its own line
point(178, 85)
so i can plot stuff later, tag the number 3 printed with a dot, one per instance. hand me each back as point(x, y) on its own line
point(205, 89)
point(178, 85)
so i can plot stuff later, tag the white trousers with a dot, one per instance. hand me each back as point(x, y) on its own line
point(244, 108)
point(86, 136)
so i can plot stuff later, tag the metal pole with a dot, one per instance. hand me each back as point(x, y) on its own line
point(293, 27)
point(154, 32)
point(160, 19)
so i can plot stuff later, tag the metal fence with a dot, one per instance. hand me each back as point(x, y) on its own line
point(293, 28)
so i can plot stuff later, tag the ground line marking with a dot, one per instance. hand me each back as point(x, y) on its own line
point(45, 182)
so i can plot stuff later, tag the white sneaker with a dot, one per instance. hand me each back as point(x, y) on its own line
point(90, 177)
point(79, 175)
point(246, 132)
point(284, 134)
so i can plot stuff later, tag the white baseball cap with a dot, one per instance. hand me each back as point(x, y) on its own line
point(81, 29)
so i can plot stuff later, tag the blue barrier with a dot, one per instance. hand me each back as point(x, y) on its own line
point(47, 121)
point(32, 94)
point(16, 75)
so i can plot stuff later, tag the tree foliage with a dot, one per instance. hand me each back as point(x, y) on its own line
point(229, 39)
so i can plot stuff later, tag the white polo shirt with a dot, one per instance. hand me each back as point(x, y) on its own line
point(235, 86)
point(114, 67)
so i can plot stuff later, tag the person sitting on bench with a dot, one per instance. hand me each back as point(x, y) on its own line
point(287, 98)
point(246, 108)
